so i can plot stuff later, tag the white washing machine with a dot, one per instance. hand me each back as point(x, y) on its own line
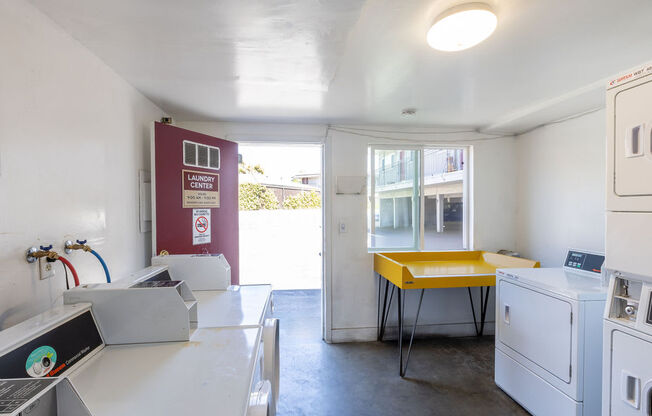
point(224, 307)
point(235, 307)
point(216, 372)
point(549, 336)
point(628, 348)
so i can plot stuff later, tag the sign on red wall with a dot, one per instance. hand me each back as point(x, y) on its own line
point(200, 189)
point(196, 207)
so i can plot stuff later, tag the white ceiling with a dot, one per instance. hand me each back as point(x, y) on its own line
point(357, 61)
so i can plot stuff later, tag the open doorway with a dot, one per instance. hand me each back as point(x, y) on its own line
point(280, 203)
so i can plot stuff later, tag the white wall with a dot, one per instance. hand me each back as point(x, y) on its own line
point(351, 285)
point(73, 136)
point(561, 188)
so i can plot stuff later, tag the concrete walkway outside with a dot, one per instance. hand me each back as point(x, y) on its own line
point(281, 247)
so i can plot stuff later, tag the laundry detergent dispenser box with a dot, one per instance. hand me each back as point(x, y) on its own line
point(199, 271)
point(138, 310)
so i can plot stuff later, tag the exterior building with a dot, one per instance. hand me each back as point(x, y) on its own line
point(394, 188)
point(312, 179)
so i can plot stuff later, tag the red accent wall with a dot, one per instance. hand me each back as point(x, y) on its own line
point(173, 222)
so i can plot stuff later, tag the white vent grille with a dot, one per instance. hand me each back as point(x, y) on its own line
point(201, 155)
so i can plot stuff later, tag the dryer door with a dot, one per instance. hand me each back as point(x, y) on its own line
point(536, 326)
point(631, 374)
point(632, 149)
point(271, 363)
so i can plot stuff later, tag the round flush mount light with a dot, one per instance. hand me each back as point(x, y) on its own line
point(462, 27)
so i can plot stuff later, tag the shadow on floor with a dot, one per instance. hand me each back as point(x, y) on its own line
point(447, 376)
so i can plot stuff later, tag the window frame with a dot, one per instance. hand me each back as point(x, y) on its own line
point(418, 208)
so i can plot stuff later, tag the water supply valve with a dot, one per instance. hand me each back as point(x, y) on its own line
point(33, 253)
point(69, 246)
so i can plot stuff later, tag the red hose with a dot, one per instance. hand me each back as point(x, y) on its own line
point(72, 269)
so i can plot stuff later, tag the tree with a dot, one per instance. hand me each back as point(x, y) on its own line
point(244, 168)
point(254, 196)
point(303, 200)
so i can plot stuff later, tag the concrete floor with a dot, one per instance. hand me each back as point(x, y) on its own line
point(446, 376)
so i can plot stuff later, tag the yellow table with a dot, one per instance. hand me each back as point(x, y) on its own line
point(436, 270)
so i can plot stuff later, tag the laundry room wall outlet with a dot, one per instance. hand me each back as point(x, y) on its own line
point(46, 269)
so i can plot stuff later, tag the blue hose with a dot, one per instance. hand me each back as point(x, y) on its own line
point(106, 269)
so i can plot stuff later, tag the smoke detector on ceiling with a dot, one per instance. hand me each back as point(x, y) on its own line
point(409, 112)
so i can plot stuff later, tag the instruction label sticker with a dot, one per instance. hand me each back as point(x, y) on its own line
point(201, 226)
point(200, 189)
point(15, 393)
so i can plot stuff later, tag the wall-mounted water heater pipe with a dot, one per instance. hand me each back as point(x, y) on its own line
point(33, 254)
point(81, 245)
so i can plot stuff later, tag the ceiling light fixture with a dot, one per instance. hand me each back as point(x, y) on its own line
point(462, 27)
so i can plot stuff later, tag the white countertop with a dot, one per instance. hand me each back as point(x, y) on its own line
point(558, 280)
point(210, 374)
point(236, 306)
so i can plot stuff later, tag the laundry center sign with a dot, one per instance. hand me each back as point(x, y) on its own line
point(200, 189)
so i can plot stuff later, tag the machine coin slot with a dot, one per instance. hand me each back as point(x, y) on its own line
point(626, 300)
point(633, 138)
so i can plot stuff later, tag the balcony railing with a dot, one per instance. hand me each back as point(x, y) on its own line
point(435, 161)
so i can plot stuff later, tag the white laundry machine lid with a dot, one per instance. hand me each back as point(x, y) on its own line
point(559, 281)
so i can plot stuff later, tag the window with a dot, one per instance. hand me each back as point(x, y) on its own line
point(417, 199)
point(201, 155)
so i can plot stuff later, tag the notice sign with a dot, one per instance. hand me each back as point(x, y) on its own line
point(200, 189)
point(201, 226)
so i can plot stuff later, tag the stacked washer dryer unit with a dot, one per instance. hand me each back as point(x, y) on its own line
point(627, 367)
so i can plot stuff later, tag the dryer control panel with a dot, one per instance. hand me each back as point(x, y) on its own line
point(588, 262)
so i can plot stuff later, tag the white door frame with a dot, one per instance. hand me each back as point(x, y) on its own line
point(325, 220)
